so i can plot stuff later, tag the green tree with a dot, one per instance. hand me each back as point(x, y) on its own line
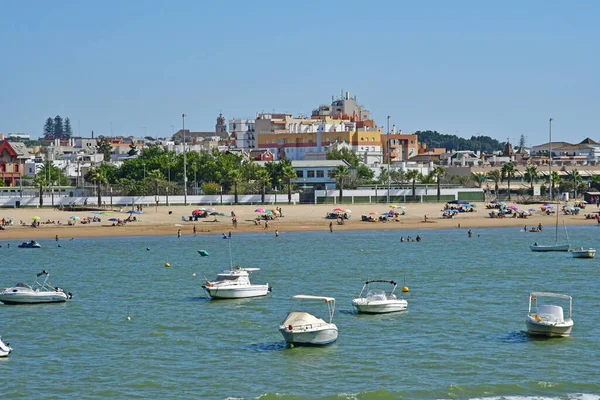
point(157, 179)
point(413, 175)
point(40, 181)
point(49, 128)
point(439, 172)
point(288, 173)
point(235, 178)
point(364, 173)
point(67, 130)
point(553, 181)
point(496, 177)
point(58, 127)
point(595, 182)
point(508, 172)
point(398, 176)
point(575, 179)
point(262, 176)
point(345, 154)
point(105, 148)
point(532, 176)
point(462, 180)
point(478, 178)
point(132, 150)
point(96, 176)
point(340, 174)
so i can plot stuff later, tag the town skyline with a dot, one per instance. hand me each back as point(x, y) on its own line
point(469, 69)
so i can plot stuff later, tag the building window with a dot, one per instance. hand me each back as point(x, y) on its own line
point(320, 174)
point(300, 174)
point(310, 174)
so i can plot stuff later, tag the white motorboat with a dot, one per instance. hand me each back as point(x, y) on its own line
point(548, 319)
point(5, 349)
point(554, 247)
point(235, 284)
point(42, 292)
point(301, 328)
point(377, 301)
point(583, 253)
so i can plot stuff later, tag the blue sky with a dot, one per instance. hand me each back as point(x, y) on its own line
point(466, 67)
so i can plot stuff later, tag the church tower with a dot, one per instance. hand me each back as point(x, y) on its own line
point(221, 126)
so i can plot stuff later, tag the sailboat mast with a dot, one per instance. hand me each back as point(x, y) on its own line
point(230, 259)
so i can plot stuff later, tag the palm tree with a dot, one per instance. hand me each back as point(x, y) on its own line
point(595, 181)
point(495, 176)
point(478, 177)
point(413, 175)
point(262, 176)
point(575, 178)
point(157, 178)
point(340, 173)
point(554, 180)
point(508, 172)
point(96, 175)
point(288, 173)
point(531, 175)
point(439, 172)
point(235, 177)
point(41, 182)
point(462, 180)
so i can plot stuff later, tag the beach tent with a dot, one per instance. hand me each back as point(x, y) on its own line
point(458, 202)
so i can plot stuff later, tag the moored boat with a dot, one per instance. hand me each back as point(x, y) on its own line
point(301, 328)
point(5, 349)
point(41, 292)
point(32, 244)
point(548, 319)
point(235, 284)
point(377, 301)
point(583, 253)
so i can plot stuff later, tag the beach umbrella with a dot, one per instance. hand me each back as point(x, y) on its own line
point(260, 210)
point(103, 213)
point(576, 208)
point(532, 209)
point(269, 212)
point(113, 219)
point(584, 202)
point(74, 217)
point(402, 207)
point(131, 212)
point(95, 212)
point(373, 213)
point(338, 209)
point(35, 218)
point(214, 213)
point(513, 207)
point(393, 206)
point(347, 210)
point(197, 211)
point(222, 214)
point(387, 215)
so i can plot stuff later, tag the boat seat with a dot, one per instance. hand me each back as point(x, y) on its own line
point(550, 313)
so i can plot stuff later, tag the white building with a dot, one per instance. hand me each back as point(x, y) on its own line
point(242, 133)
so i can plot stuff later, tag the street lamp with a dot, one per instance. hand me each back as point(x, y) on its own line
point(184, 162)
point(388, 157)
point(550, 162)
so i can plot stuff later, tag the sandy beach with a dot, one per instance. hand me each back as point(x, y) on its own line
point(168, 220)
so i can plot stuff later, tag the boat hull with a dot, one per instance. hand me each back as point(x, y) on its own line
point(225, 292)
point(591, 253)
point(37, 298)
point(550, 248)
point(310, 337)
point(379, 307)
point(535, 328)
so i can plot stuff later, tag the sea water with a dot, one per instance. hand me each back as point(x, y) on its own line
point(138, 329)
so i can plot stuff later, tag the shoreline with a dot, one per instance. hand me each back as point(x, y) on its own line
point(164, 221)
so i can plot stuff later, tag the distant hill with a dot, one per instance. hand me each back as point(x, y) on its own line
point(452, 142)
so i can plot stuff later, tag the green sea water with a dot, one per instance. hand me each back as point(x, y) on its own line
point(461, 337)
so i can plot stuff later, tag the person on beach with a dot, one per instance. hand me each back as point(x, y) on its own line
point(331, 227)
point(266, 224)
point(194, 230)
point(418, 238)
point(401, 238)
point(56, 238)
point(470, 233)
point(540, 227)
point(276, 233)
point(178, 233)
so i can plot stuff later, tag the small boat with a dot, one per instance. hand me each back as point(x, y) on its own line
point(583, 253)
point(301, 328)
point(5, 349)
point(42, 292)
point(548, 319)
point(377, 301)
point(552, 247)
point(235, 284)
point(32, 244)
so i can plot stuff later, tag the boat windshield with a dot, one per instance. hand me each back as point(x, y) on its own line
point(223, 278)
point(23, 285)
point(376, 294)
